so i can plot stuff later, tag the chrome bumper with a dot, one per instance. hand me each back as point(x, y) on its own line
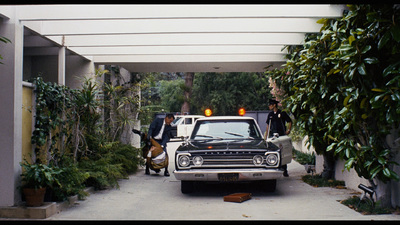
point(212, 174)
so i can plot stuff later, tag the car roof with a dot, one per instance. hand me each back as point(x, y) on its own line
point(226, 118)
point(184, 116)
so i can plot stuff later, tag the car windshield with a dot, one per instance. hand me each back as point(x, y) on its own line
point(226, 129)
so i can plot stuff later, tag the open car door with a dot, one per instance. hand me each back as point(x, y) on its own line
point(285, 144)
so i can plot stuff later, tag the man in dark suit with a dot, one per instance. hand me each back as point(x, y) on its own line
point(160, 131)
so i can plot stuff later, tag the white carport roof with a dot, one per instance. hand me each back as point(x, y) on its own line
point(172, 38)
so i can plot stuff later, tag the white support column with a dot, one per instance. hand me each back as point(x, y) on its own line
point(61, 66)
point(11, 112)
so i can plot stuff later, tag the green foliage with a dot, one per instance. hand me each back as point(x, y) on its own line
point(86, 103)
point(319, 181)
point(39, 175)
point(304, 158)
point(365, 206)
point(342, 87)
point(128, 156)
point(71, 135)
point(71, 181)
point(102, 174)
point(113, 161)
point(172, 95)
point(51, 102)
point(151, 97)
point(120, 101)
point(225, 93)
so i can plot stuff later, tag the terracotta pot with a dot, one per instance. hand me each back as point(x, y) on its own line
point(34, 197)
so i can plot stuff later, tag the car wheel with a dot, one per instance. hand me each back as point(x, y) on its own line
point(268, 185)
point(187, 187)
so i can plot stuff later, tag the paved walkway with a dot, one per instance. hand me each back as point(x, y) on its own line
point(155, 197)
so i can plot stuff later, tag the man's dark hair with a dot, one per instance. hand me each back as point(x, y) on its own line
point(170, 115)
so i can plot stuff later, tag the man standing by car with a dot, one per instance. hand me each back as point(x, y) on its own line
point(160, 131)
point(276, 120)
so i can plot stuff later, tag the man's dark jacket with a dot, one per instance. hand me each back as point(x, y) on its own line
point(155, 128)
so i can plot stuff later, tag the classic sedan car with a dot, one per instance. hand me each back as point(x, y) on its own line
point(228, 149)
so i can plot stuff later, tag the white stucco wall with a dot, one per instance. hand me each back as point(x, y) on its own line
point(10, 111)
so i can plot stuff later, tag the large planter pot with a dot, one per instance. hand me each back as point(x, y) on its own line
point(34, 197)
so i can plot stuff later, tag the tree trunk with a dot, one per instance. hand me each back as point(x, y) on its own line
point(185, 109)
point(329, 165)
point(383, 193)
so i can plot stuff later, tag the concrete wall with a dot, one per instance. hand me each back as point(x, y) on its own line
point(76, 68)
point(47, 66)
point(10, 111)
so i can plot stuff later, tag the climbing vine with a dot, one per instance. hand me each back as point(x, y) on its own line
point(51, 102)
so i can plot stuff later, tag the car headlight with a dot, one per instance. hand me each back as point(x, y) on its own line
point(198, 160)
point(184, 161)
point(258, 160)
point(271, 159)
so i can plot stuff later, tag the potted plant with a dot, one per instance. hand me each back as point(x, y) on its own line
point(35, 179)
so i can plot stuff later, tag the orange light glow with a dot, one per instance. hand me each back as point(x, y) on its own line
point(242, 111)
point(208, 112)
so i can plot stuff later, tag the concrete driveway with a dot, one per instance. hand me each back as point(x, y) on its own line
point(155, 197)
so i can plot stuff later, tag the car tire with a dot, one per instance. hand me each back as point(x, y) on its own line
point(268, 185)
point(187, 187)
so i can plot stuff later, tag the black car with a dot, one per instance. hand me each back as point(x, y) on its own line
point(228, 149)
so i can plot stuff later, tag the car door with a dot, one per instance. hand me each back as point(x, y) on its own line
point(285, 143)
point(186, 125)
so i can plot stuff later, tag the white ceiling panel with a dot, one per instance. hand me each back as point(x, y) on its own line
point(209, 39)
point(173, 38)
point(160, 26)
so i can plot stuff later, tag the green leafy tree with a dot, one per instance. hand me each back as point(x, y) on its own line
point(225, 93)
point(342, 86)
point(171, 93)
point(160, 92)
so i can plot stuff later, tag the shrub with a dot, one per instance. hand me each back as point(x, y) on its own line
point(365, 206)
point(114, 161)
point(304, 158)
point(319, 181)
point(72, 182)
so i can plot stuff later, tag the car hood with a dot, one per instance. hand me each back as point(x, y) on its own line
point(227, 144)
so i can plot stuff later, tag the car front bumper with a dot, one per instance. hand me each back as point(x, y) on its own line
point(243, 174)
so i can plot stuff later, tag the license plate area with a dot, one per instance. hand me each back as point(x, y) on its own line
point(228, 177)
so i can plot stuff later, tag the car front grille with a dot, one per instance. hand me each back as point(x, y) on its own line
point(228, 159)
